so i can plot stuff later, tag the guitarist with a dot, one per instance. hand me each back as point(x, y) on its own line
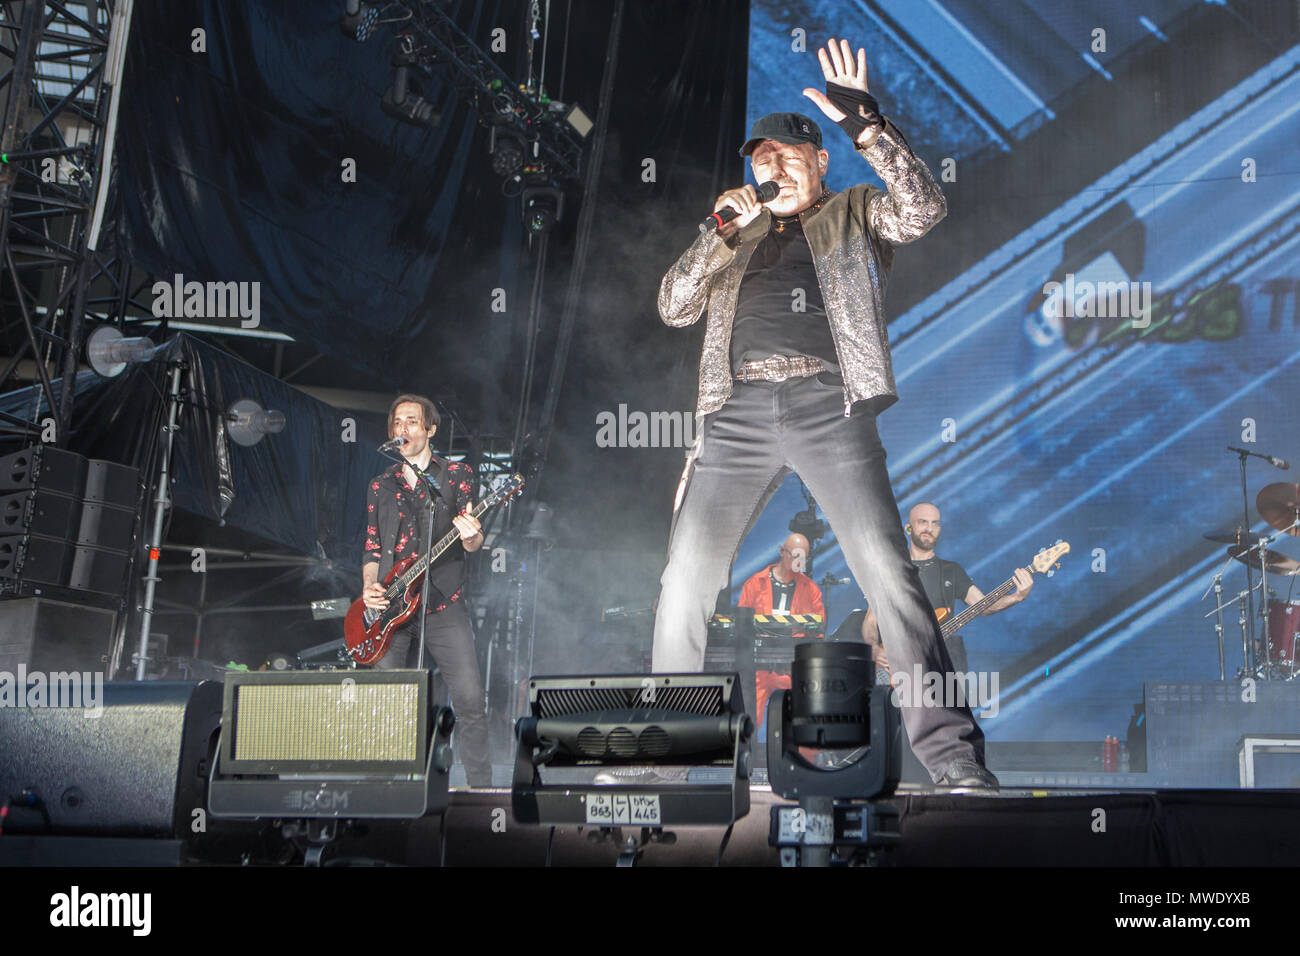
point(945, 582)
point(397, 510)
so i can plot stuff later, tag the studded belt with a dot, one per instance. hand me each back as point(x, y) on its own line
point(778, 368)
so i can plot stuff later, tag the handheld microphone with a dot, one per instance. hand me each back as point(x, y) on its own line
point(392, 443)
point(714, 220)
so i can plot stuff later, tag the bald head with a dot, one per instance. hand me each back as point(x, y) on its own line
point(794, 554)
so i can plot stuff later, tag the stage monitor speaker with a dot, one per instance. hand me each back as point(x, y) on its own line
point(44, 466)
point(46, 635)
point(137, 770)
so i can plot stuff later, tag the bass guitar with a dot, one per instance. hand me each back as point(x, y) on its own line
point(368, 633)
point(950, 624)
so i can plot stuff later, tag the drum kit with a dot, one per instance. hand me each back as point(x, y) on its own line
point(1273, 657)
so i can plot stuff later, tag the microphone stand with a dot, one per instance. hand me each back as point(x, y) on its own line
point(1249, 663)
point(434, 493)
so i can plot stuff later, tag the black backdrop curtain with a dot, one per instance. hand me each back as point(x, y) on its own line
point(230, 164)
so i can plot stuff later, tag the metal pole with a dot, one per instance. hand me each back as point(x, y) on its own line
point(1249, 662)
point(161, 503)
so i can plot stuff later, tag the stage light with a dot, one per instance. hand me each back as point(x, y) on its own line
point(331, 744)
point(403, 99)
point(507, 148)
point(247, 423)
point(834, 708)
point(678, 720)
point(108, 352)
point(543, 208)
point(833, 705)
point(359, 20)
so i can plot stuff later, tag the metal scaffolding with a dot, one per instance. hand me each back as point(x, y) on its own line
point(61, 62)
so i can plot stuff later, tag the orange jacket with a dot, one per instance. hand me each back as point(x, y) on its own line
point(757, 593)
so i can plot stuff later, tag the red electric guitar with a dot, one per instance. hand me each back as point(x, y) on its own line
point(368, 633)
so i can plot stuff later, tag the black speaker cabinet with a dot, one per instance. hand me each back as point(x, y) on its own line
point(138, 769)
point(50, 635)
point(44, 466)
point(42, 513)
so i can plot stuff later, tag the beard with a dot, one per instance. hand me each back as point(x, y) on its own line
point(924, 545)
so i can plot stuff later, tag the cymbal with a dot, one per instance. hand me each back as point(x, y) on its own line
point(1235, 536)
point(1275, 561)
point(1279, 504)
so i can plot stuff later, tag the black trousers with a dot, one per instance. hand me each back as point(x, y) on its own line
point(759, 436)
point(449, 640)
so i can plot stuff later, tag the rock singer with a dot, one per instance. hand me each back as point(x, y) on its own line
point(786, 389)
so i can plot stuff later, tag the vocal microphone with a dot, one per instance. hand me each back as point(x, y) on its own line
point(1275, 462)
point(392, 443)
point(766, 193)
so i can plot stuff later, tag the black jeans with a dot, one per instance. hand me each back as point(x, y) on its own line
point(747, 448)
point(449, 640)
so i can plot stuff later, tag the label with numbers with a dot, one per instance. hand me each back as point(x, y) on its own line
point(622, 809)
point(820, 829)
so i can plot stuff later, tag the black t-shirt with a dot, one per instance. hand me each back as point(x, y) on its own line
point(766, 323)
point(782, 595)
point(945, 582)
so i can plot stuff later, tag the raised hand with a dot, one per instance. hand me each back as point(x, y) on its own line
point(839, 67)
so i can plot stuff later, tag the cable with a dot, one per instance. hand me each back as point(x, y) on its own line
point(722, 847)
point(550, 838)
point(442, 838)
point(564, 57)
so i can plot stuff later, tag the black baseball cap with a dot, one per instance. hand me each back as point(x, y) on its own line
point(791, 128)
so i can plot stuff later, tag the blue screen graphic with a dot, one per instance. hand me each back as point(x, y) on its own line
point(1027, 424)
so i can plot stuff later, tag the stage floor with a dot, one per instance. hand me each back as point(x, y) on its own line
point(1015, 827)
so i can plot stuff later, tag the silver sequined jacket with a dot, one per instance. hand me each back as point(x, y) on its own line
point(852, 236)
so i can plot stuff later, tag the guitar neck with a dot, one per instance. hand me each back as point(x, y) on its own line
point(951, 625)
point(415, 570)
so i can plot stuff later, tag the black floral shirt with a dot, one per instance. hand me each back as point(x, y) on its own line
point(395, 515)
